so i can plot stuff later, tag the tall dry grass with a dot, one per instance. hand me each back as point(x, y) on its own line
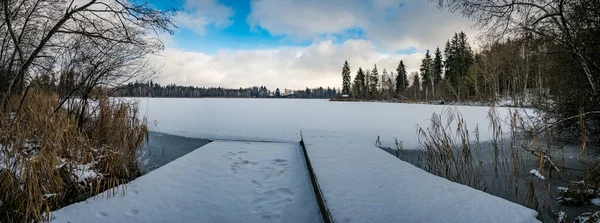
point(501, 166)
point(448, 151)
point(49, 160)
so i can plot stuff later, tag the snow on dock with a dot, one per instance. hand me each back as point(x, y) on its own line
point(220, 182)
point(362, 183)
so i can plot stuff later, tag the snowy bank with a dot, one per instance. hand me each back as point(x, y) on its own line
point(221, 182)
point(283, 119)
point(362, 183)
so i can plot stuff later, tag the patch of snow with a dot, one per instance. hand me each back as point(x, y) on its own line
point(362, 183)
point(595, 201)
point(562, 189)
point(589, 191)
point(30, 145)
point(84, 172)
point(49, 195)
point(562, 217)
point(220, 182)
point(62, 163)
point(9, 163)
point(566, 189)
point(525, 100)
point(282, 119)
point(537, 174)
point(588, 217)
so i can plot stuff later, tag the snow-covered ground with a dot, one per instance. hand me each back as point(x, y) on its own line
point(283, 119)
point(362, 183)
point(221, 182)
point(267, 181)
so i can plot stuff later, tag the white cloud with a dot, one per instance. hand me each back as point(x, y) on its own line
point(287, 67)
point(386, 26)
point(417, 23)
point(198, 14)
point(304, 19)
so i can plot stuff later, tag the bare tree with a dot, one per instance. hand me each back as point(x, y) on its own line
point(42, 35)
point(557, 21)
point(566, 31)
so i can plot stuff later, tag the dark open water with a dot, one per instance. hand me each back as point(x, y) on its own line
point(164, 148)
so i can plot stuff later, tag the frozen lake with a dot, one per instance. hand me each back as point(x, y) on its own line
point(281, 120)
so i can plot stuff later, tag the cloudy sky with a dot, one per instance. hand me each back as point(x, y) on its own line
point(297, 43)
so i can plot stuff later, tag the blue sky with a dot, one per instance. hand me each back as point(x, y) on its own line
point(296, 43)
point(241, 35)
point(238, 35)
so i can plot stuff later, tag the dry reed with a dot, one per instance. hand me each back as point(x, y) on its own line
point(49, 160)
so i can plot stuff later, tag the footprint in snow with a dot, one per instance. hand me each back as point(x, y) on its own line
point(269, 193)
point(256, 183)
point(134, 192)
point(132, 212)
point(240, 165)
point(266, 168)
point(229, 155)
point(282, 202)
point(279, 197)
point(279, 162)
point(101, 214)
point(284, 190)
point(271, 216)
point(258, 202)
point(244, 162)
point(280, 172)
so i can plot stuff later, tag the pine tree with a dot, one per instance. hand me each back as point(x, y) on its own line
point(374, 82)
point(359, 83)
point(451, 64)
point(346, 78)
point(401, 79)
point(466, 58)
point(437, 67)
point(447, 61)
point(459, 58)
point(426, 70)
point(366, 86)
point(416, 85)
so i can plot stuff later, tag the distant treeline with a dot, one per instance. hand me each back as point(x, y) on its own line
point(151, 89)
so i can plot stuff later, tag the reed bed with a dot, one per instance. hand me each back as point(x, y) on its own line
point(49, 159)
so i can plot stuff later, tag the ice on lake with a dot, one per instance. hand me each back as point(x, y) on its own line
point(282, 120)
